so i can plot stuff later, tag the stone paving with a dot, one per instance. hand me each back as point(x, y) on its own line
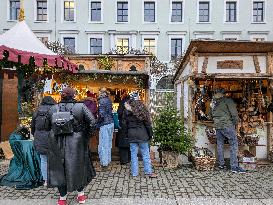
point(176, 186)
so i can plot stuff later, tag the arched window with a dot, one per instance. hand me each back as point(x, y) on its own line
point(165, 83)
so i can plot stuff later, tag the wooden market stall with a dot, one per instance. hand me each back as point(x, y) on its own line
point(244, 69)
point(123, 75)
point(22, 52)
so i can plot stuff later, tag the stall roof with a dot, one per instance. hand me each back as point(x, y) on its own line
point(21, 41)
point(113, 72)
point(211, 46)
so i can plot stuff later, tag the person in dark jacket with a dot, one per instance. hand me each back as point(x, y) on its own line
point(40, 129)
point(139, 128)
point(122, 138)
point(69, 161)
point(91, 103)
point(106, 125)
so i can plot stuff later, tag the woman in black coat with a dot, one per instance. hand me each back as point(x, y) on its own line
point(121, 137)
point(70, 166)
point(40, 129)
point(139, 130)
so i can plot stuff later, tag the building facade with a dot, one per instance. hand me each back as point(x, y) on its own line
point(163, 27)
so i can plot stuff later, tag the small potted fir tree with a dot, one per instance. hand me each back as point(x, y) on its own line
point(170, 133)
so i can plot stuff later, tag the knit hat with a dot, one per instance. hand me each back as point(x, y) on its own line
point(220, 90)
point(134, 95)
point(91, 95)
point(69, 92)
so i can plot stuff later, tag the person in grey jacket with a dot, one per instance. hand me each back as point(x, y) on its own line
point(225, 117)
point(40, 129)
point(106, 125)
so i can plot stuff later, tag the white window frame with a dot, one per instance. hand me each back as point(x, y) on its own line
point(116, 11)
point(253, 36)
point(210, 12)
point(102, 9)
point(172, 36)
point(149, 37)
point(35, 13)
point(129, 36)
point(75, 12)
point(226, 36)
point(94, 35)
point(183, 11)
point(70, 35)
point(265, 5)
point(8, 12)
point(42, 35)
point(145, 22)
point(237, 12)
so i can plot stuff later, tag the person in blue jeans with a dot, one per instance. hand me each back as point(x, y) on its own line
point(139, 130)
point(225, 118)
point(40, 129)
point(106, 125)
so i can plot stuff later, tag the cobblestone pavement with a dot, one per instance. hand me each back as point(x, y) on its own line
point(175, 186)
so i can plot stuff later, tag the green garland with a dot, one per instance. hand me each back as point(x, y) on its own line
point(125, 79)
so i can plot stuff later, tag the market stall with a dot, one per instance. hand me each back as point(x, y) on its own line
point(127, 73)
point(24, 64)
point(244, 70)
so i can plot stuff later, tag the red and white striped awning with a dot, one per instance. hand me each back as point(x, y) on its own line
point(21, 41)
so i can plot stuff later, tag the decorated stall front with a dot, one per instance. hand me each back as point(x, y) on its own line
point(25, 62)
point(244, 70)
point(120, 74)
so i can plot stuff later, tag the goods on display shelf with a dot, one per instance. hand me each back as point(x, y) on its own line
point(203, 159)
point(248, 161)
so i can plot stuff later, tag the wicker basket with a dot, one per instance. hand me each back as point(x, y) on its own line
point(252, 140)
point(205, 163)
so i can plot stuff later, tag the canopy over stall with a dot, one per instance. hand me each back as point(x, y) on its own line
point(21, 44)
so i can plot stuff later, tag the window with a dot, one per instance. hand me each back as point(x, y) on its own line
point(176, 47)
point(258, 39)
point(41, 10)
point(149, 11)
point(258, 11)
point(95, 11)
point(231, 11)
point(230, 39)
point(177, 11)
point(204, 11)
point(70, 43)
point(95, 45)
point(122, 11)
point(149, 45)
point(43, 39)
point(14, 7)
point(69, 11)
point(123, 45)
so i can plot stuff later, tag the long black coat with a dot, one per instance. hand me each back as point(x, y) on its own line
point(122, 137)
point(40, 125)
point(69, 162)
point(138, 131)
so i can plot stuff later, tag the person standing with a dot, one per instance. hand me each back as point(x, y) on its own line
point(91, 103)
point(106, 125)
point(139, 128)
point(40, 129)
point(69, 161)
point(122, 138)
point(225, 117)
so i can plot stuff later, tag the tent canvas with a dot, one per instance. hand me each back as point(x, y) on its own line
point(21, 41)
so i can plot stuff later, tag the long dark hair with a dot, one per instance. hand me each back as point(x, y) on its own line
point(139, 110)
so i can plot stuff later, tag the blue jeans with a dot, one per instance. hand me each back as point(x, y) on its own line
point(44, 166)
point(105, 143)
point(229, 133)
point(145, 152)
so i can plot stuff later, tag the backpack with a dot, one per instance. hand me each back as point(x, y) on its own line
point(41, 119)
point(63, 121)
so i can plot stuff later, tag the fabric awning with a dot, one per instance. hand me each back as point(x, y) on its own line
point(21, 41)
